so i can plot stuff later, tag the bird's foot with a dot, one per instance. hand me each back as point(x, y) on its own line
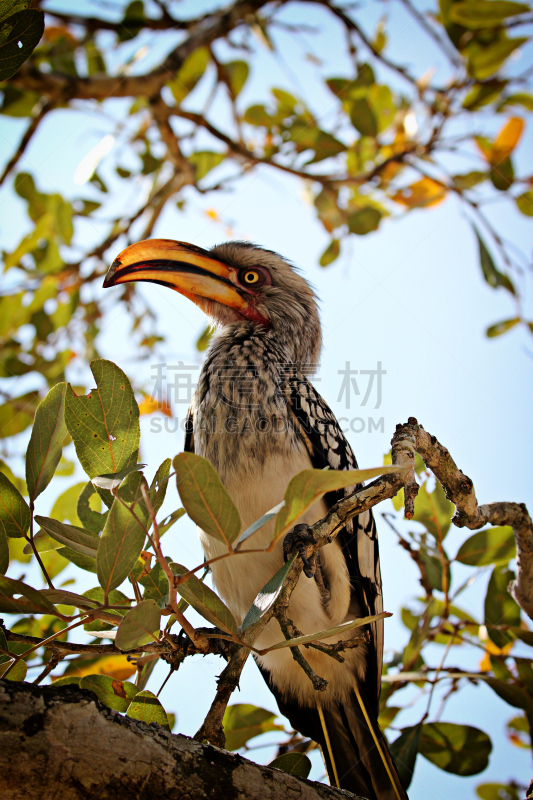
point(216, 646)
point(299, 539)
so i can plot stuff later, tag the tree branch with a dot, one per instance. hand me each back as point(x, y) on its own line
point(460, 490)
point(62, 739)
point(69, 87)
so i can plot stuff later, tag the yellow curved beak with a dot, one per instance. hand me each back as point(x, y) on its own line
point(181, 266)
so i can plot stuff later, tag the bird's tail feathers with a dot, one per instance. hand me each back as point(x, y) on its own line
point(358, 756)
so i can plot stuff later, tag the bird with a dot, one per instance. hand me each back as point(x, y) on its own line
point(259, 420)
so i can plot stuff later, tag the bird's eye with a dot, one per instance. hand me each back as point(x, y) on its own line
point(250, 276)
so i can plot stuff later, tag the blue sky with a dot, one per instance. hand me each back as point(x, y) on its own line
point(410, 296)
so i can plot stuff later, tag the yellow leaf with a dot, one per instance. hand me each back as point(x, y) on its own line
point(507, 139)
point(422, 194)
point(212, 213)
point(114, 666)
point(484, 664)
point(491, 649)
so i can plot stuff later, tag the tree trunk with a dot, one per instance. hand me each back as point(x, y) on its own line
point(61, 742)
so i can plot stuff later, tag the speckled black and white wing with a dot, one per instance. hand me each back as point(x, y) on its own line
point(317, 425)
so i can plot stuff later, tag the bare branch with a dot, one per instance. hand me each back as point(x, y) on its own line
point(460, 490)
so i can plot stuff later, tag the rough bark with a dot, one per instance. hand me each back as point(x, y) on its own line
point(61, 742)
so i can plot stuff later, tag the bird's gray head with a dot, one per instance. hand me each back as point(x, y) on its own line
point(234, 283)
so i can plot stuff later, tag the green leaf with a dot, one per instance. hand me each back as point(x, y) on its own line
point(104, 425)
point(95, 61)
point(330, 215)
point(66, 598)
point(434, 568)
point(476, 14)
point(113, 479)
point(331, 253)
point(525, 203)
point(255, 526)
point(387, 715)
point(485, 62)
point(325, 146)
point(31, 601)
point(67, 680)
point(294, 763)
point(169, 521)
point(158, 487)
point(469, 180)
point(237, 75)
point(111, 692)
point(500, 608)
point(17, 414)
point(519, 99)
point(96, 596)
point(202, 343)
point(140, 626)
point(308, 486)
point(205, 499)
point(3, 642)
point(459, 749)
point(18, 483)
point(19, 36)
point(82, 561)
point(46, 441)
point(364, 221)
point(502, 174)
point(363, 117)
point(244, 721)
point(502, 327)
point(132, 22)
point(17, 103)
point(155, 586)
point(147, 708)
point(18, 673)
point(493, 546)
point(510, 693)
point(190, 73)
point(204, 601)
point(404, 751)
point(14, 511)
point(344, 627)
point(497, 791)
point(65, 506)
point(482, 94)
point(268, 595)
point(491, 274)
point(4, 552)
point(123, 536)
point(257, 115)
point(77, 539)
point(91, 517)
point(65, 467)
point(204, 161)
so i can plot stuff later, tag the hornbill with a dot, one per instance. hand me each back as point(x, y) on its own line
point(259, 421)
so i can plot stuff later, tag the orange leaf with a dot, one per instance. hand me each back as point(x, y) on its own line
point(147, 558)
point(149, 406)
point(507, 139)
point(118, 688)
point(422, 194)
